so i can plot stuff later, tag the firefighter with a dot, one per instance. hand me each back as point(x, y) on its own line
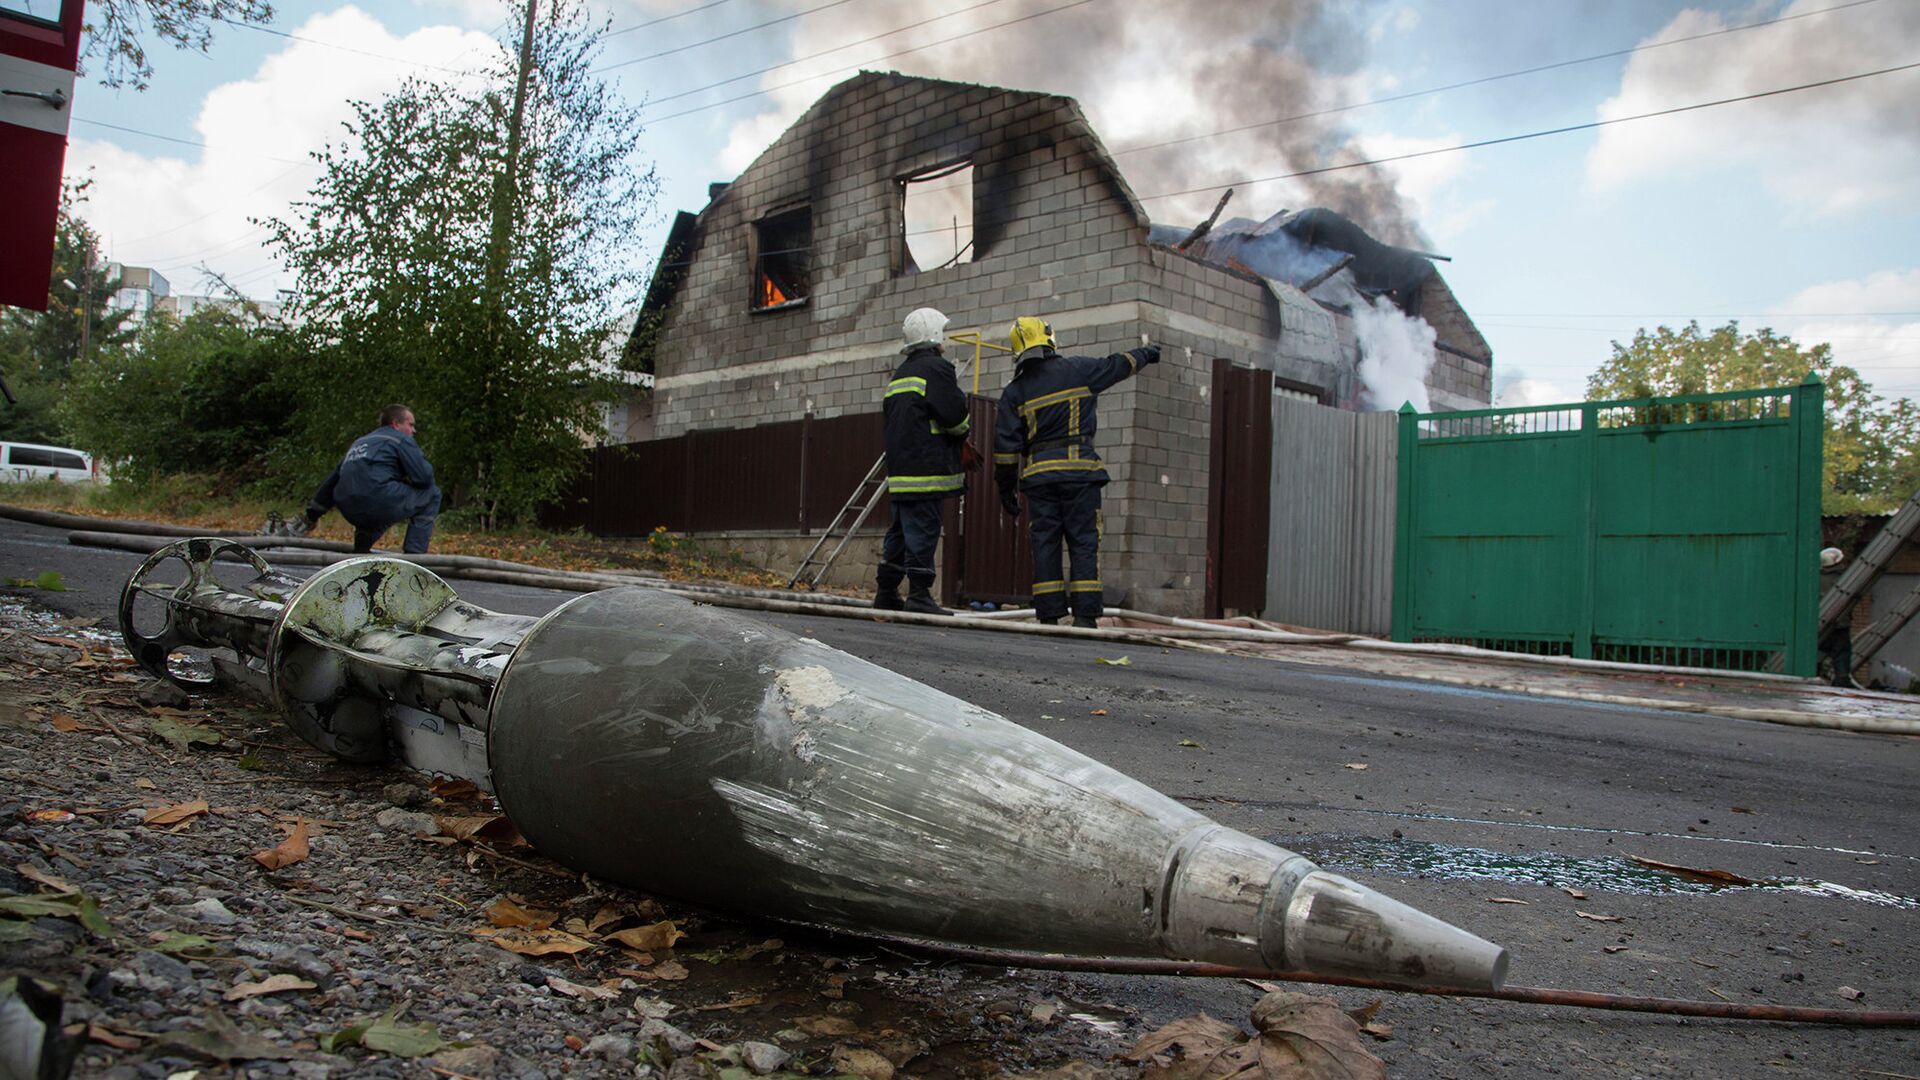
point(1047, 418)
point(926, 425)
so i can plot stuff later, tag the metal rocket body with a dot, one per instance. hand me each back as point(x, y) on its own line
point(694, 752)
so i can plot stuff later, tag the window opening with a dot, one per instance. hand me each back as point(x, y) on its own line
point(783, 259)
point(936, 218)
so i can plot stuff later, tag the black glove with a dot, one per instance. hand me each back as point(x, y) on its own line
point(1010, 502)
point(1147, 354)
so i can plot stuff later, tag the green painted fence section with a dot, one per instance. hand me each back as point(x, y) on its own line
point(1678, 531)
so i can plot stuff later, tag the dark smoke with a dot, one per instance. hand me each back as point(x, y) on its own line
point(1247, 61)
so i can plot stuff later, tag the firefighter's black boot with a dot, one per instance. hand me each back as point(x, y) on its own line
point(1086, 622)
point(920, 600)
point(888, 599)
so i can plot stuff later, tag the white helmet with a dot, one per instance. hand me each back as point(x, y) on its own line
point(923, 326)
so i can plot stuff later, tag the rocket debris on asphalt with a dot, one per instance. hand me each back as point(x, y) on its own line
point(698, 753)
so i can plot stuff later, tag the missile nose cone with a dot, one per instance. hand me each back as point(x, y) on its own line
point(1341, 927)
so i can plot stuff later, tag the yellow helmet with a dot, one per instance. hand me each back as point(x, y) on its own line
point(1029, 331)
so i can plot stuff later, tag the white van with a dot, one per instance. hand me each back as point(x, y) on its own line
point(29, 461)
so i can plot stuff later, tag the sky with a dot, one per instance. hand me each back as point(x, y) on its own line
point(1797, 210)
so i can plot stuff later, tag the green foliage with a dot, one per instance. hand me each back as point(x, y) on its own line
point(1870, 462)
point(401, 302)
point(210, 393)
point(115, 29)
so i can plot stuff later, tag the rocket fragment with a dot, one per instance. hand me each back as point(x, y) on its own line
point(698, 753)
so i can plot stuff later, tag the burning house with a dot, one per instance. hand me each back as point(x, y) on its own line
point(780, 302)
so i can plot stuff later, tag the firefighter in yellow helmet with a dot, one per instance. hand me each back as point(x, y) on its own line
point(1043, 445)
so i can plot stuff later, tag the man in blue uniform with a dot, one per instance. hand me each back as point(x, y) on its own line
point(926, 429)
point(384, 479)
point(1043, 445)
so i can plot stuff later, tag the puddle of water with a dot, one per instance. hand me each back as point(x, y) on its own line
point(1417, 858)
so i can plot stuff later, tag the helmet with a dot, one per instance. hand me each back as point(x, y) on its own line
point(1029, 331)
point(923, 326)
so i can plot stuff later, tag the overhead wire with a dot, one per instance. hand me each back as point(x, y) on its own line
point(720, 37)
point(665, 18)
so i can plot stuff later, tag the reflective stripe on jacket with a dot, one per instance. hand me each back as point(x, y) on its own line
point(926, 420)
point(1046, 421)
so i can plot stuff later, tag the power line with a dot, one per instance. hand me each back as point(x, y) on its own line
point(864, 63)
point(720, 37)
point(1589, 126)
point(1411, 94)
point(664, 18)
point(824, 52)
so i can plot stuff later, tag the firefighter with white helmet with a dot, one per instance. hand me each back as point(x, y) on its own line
point(1043, 445)
point(926, 427)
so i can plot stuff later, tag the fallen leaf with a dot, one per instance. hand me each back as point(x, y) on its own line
point(1573, 892)
point(455, 790)
point(1613, 948)
point(1123, 661)
point(67, 724)
point(272, 984)
point(831, 1026)
point(1600, 918)
point(505, 913)
point(1868, 862)
point(1311, 1037)
point(644, 959)
point(1356, 766)
point(173, 815)
point(50, 817)
point(606, 916)
point(289, 851)
point(96, 1033)
point(1506, 900)
point(220, 1040)
point(669, 971)
point(530, 942)
point(1712, 877)
point(465, 828)
point(737, 1000)
point(1850, 993)
point(1096, 712)
point(385, 1034)
point(181, 736)
point(652, 1008)
point(1740, 809)
point(145, 784)
point(576, 990)
point(181, 944)
point(865, 1063)
point(1190, 742)
point(655, 937)
point(575, 1043)
point(30, 871)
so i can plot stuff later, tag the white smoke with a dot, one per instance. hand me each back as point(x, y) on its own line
point(1396, 349)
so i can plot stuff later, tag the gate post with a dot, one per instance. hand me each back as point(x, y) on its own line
point(1589, 532)
point(1403, 526)
point(1810, 429)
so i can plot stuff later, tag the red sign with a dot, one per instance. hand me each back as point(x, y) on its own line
point(39, 50)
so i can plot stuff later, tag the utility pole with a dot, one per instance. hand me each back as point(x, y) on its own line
point(86, 299)
point(505, 184)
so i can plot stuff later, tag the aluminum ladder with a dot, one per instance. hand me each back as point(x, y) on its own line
point(859, 505)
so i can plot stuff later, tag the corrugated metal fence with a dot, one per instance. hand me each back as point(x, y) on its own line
point(787, 476)
point(1330, 541)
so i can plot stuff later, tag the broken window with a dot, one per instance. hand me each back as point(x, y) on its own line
point(936, 218)
point(783, 258)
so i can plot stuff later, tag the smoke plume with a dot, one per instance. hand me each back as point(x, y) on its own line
point(1145, 71)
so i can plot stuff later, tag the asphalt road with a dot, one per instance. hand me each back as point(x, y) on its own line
point(1465, 796)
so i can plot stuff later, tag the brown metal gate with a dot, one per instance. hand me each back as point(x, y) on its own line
point(994, 560)
point(1240, 486)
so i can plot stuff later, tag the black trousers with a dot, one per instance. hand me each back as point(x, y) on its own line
point(912, 538)
point(1069, 515)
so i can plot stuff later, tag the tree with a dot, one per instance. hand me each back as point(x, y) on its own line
point(1870, 461)
point(115, 30)
point(391, 256)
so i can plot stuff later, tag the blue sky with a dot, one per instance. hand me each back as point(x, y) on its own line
point(1795, 210)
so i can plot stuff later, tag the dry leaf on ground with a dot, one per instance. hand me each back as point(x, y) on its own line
point(1310, 1037)
point(32, 872)
point(1573, 892)
point(1506, 900)
point(529, 942)
point(173, 815)
point(1850, 993)
point(576, 990)
point(826, 1025)
point(272, 984)
point(1600, 918)
point(67, 724)
point(849, 1059)
point(96, 1033)
point(289, 851)
point(508, 914)
point(1356, 765)
point(654, 937)
point(670, 971)
point(1711, 877)
point(455, 790)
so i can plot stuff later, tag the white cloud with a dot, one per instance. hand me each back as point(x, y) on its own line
point(1872, 324)
point(1516, 389)
point(1821, 151)
point(174, 211)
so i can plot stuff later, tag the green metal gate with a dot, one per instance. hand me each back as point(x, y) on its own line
point(1682, 530)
